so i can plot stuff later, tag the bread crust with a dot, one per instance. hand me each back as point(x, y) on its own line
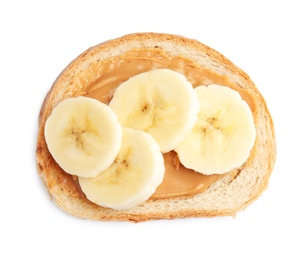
point(225, 197)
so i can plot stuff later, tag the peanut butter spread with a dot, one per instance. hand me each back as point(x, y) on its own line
point(178, 180)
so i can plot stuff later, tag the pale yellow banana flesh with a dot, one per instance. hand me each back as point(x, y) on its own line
point(223, 135)
point(83, 135)
point(133, 177)
point(161, 102)
point(211, 128)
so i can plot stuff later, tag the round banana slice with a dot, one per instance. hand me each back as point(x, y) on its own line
point(133, 177)
point(83, 135)
point(223, 135)
point(161, 102)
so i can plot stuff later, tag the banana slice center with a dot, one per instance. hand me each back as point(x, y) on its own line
point(83, 134)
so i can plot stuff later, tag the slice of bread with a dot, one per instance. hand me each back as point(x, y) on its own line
point(226, 196)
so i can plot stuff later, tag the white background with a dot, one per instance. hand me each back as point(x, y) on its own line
point(267, 39)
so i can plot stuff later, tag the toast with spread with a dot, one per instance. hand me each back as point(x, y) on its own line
point(154, 126)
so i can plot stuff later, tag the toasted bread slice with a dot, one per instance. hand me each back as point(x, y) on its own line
point(229, 194)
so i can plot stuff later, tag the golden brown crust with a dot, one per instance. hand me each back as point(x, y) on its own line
point(237, 193)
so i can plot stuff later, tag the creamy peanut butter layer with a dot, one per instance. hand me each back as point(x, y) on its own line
point(109, 74)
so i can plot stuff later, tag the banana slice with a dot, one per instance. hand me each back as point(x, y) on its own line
point(83, 135)
point(133, 177)
point(161, 102)
point(223, 135)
